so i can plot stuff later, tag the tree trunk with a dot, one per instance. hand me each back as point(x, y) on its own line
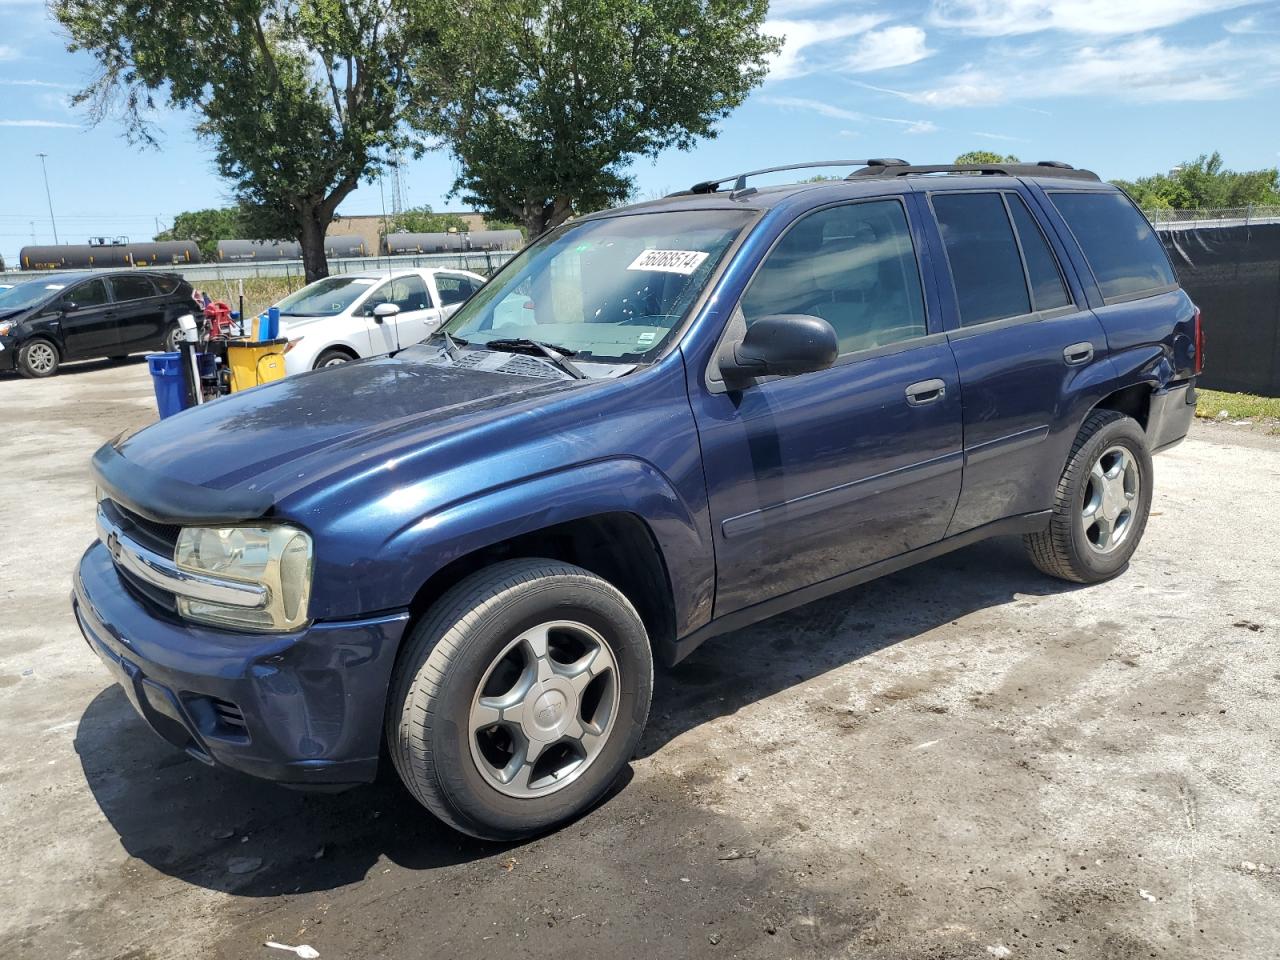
point(314, 262)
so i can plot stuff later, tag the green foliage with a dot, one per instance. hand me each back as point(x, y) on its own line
point(205, 228)
point(547, 102)
point(422, 220)
point(299, 98)
point(1204, 183)
point(985, 156)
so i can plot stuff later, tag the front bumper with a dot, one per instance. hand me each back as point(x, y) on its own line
point(302, 708)
point(8, 355)
point(1170, 416)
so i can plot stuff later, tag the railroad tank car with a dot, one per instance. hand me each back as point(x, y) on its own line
point(394, 244)
point(77, 256)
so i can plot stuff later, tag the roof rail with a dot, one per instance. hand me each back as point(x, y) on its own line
point(740, 179)
point(1042, 168)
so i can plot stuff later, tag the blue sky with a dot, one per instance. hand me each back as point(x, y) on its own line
point(1125, 87)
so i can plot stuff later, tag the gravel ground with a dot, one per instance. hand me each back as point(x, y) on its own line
point(962, 760)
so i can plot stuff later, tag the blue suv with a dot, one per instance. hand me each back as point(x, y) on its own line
point(654, 425)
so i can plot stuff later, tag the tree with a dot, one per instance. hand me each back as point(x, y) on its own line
point(1204, 183)
point(299, 98)
point(545, 103)
point(979, 157)
point(422, 220)
point(206, 228)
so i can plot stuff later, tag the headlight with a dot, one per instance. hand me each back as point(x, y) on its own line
point(278, 558)
point(7, 328)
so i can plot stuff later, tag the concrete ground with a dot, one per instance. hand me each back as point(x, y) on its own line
point(962, 760)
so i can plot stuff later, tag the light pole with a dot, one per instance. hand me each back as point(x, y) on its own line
point(48, 196)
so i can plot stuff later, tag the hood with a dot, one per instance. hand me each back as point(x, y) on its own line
point(282, 435)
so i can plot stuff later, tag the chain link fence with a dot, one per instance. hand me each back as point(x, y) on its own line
point(1215, 215)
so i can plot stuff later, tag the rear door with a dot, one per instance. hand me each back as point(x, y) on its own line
point(140, 312)
point(816, 475)
point(87, 321)
point(1027, 346)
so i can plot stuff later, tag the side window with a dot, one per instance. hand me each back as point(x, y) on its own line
point(1048, 291)
point(453, 289)
point(91, 294)
point(983, 254)
point(131, 288)
point(852, 265)
point(1123, 251)
point(409, 293)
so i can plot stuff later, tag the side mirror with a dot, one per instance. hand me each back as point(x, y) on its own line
point(384, 310)
point(783, 344)
point(67, 306)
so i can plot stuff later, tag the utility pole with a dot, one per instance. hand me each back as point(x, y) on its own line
point(48, 196)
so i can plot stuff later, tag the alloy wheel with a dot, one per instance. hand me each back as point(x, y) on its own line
point(545, 709)
point(41, 357)
point(1110, 498)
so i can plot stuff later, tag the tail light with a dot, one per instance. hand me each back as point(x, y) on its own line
point(1199, 341)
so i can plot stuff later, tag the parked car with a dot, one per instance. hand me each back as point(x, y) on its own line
point(655, 425)
point(352, 315)
point(86, 315)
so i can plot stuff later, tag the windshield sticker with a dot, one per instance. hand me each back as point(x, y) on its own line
point(645, 339)
point(669, 261)
point(54, 286)
point(363, 282)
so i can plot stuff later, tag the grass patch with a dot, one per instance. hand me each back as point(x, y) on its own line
point(259, 292)
point(1239, 406)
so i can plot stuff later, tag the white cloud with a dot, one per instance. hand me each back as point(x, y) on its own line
point(9, 53)
point(34, 83)
point(1144, 69)
point(890, 47)
point(1002, 18)
point(825, 109)
point(799, 35)
point(997, 136)
point(36, 123)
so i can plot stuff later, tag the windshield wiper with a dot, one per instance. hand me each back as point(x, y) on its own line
point(451, 345)
point(557, 355)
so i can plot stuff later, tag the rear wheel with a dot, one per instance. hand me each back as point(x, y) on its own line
point(519, 698)
point(1102, 504)
point(172, 339)
point(38, 358)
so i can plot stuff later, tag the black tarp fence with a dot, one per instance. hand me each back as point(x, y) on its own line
point(1233, 275)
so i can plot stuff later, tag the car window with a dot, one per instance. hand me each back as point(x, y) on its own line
point(1048, 291)
point(454, 289)
point(611, 288)
point(854, 266)
point(131, 288)
point(166, 285)
point(91, 294)
point(1123, 251)
point(985, 265)
point(327, 297)
point(407, 293)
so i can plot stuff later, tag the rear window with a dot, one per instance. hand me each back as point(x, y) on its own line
point(983, 254)
point(1123, 251)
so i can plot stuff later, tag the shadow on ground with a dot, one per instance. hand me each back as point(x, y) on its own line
point(194, 823)
point(73, 367)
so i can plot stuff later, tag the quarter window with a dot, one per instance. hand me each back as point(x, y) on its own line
point(854, 266)
point(1048, 292)
point(985, 265)
point(1123, 251)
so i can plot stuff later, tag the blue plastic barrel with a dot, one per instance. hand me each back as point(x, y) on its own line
point(166, 379)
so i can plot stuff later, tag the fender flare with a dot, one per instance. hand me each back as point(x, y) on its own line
point(622, 485)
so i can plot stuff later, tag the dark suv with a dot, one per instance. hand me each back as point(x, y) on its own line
point(654, 425)
point(86, 315)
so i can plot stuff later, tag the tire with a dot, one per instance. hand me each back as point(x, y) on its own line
point(38, 359)
point(1101, 507)
point(172, 337)
point(331, 358)
point(461, 656)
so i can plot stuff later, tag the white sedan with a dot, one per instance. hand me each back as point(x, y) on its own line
point(353, 315)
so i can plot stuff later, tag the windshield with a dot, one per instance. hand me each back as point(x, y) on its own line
point(612, 289)
point(28, 294)
point(327, 297)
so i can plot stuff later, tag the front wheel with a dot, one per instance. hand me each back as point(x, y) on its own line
point(331, 358)
point(519, 698)
point(1102, 504)
point(38, 358)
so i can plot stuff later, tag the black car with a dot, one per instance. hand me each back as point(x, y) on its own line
point(82, 316)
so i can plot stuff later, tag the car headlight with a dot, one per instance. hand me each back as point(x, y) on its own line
point(7, 328)
point(278, 558)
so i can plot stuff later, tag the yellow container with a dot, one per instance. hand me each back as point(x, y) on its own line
point(254, 362)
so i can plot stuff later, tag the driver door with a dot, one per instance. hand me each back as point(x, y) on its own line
point(813, 476)
point(417, 319)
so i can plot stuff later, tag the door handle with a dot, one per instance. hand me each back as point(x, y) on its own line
point(1078, 353)
point(926, 391)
